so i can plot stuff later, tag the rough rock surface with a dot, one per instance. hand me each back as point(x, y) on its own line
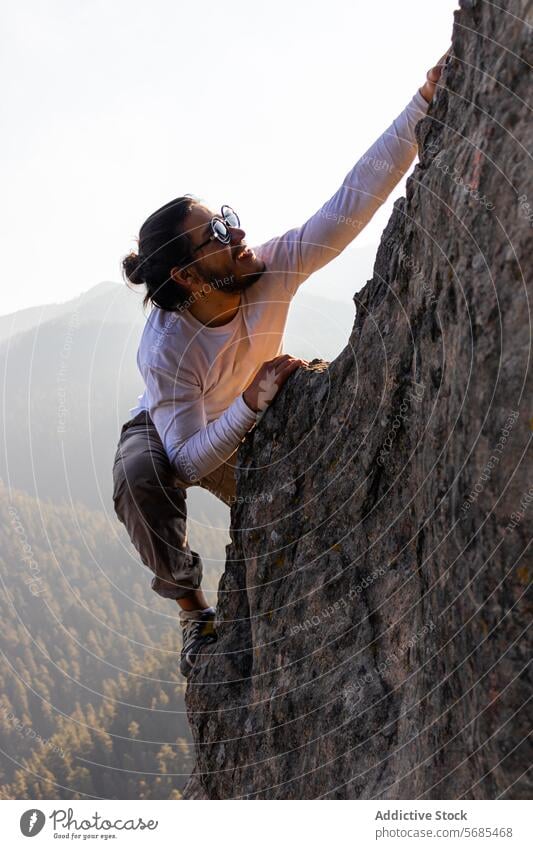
point(372, 613)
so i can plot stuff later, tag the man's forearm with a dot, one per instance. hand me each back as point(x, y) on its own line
point(211, 446)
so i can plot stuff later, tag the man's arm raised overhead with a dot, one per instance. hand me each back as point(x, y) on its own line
point(303, 250)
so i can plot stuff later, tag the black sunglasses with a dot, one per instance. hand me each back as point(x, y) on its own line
point(219, 227)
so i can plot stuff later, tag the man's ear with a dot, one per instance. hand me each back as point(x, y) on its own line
point(182, 276)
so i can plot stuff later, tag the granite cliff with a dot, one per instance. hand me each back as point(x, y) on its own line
point(372, 611)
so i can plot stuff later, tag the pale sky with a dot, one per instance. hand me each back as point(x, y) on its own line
point(115, 107)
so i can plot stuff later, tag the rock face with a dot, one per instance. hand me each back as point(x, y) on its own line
point(372, 611)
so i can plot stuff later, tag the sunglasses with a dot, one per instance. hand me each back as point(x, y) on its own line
point(219, 227)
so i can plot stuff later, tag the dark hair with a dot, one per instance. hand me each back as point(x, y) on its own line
point(163, 244)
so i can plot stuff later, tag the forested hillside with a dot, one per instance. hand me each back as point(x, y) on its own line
point(91, 700)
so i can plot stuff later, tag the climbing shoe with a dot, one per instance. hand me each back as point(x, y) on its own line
point(197, 633)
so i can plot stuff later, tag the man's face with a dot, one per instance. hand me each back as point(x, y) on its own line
point(229, 268)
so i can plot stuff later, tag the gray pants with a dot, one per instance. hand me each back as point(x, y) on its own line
point(150, 501)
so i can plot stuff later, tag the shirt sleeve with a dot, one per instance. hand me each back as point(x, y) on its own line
point(303, 250)
point(194, 447)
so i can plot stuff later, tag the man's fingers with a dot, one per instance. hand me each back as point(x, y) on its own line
point(277, 361)
point(280, 362)
point(292, 364)
point(287, 370)
point(438, 67)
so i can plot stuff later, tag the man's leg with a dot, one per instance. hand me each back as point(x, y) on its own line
point(152, 505)
point(150, 501)
point(221, 483)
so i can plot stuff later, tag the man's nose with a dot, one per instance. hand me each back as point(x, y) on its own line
point(236, 235)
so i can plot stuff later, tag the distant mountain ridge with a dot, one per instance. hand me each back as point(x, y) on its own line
point(23, 320)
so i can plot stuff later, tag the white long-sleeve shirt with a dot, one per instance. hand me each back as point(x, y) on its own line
point(195, 375)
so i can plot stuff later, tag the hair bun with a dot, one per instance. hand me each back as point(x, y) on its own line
point(133, 268)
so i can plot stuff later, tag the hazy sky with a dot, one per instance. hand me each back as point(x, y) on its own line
point(115, 107)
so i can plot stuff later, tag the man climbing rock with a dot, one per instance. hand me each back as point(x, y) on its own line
point(210, 354)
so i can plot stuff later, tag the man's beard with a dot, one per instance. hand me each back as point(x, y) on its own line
point(232, 285)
